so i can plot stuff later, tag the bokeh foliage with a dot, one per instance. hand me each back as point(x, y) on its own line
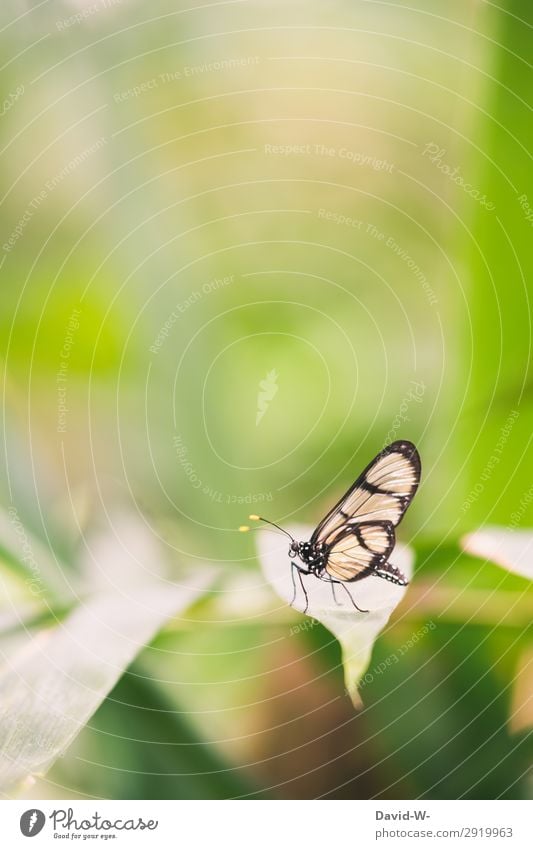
point(175, 187)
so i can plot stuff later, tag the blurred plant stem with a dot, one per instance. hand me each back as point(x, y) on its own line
point(475, 606)
point(424, 601)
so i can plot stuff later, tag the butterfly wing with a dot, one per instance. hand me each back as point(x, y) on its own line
point(382, 493)
point(359, 530)
point(360, 549)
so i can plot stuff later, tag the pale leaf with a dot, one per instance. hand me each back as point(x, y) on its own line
point(54, 683)
point(356, 632)
point(512, 549)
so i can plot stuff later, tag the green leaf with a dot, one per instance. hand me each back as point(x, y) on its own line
point(496, 426)
point(52, 685)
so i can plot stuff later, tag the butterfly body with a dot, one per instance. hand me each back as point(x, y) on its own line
point(314, 556)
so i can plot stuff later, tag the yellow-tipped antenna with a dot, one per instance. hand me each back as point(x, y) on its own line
point(244, 528)
point(254, 518)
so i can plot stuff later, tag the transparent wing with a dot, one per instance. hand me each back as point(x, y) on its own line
point(382, 493)
point(360, 549)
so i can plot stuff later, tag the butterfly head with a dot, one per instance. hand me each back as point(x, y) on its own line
point(313, 555)
point(303, 550)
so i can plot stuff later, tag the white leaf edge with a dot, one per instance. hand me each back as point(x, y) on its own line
point(512, 549)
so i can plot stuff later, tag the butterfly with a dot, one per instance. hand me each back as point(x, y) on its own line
point(356, 538)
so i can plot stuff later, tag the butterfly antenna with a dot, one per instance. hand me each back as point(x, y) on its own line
point(255, 518)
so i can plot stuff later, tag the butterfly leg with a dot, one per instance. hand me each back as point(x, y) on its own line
point(293, 599)
point(304, 591)
point(351, 599)
point(299, 572)
point(335, 599)
point(332, 584)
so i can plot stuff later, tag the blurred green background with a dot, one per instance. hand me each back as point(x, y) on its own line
point(337, 195)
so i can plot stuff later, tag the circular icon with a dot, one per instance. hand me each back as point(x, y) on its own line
point(32, 822)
